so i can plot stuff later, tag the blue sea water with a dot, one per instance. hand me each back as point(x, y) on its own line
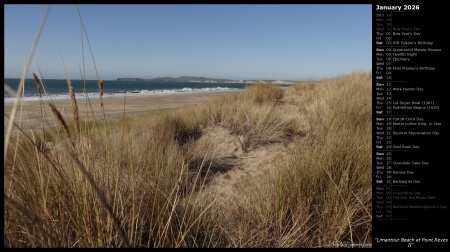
point(58, 89)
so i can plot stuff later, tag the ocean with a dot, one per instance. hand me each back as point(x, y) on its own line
point(58, 89)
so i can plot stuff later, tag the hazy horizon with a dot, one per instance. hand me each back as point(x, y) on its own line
point(238, 42)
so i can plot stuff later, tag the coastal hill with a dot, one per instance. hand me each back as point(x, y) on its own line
point(202, 79)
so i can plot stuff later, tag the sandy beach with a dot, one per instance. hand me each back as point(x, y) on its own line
point(114, 107)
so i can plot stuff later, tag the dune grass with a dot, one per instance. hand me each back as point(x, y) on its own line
point(133, 182)
point(329, 183)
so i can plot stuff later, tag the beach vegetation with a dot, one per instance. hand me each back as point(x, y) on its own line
point(170, 178)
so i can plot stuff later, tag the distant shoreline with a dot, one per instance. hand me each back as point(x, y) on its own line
point(204, 80)
point(171, 79)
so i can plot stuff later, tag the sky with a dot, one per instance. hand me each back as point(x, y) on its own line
point(233, 41)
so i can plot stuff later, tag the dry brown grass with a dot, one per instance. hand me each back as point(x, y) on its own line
point(331, 177)
point(134, 181)
point(73, 102)
point(61, 122)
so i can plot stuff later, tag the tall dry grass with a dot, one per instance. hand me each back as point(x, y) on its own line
point(321, 195)
point(147, 171)
point(327, 184)
point(139, 174)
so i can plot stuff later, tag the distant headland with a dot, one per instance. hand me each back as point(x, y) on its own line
point(203, 79)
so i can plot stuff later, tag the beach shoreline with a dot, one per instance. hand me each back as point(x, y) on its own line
point(34, 113)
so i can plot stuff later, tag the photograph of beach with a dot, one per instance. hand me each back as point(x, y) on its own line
point(188, 126)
